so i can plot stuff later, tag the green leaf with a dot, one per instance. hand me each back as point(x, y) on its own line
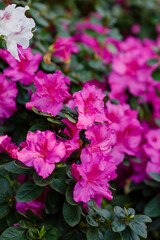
point(127, 234)
point(41, 21)
point(70, 118)
point(5, 190)
point(71, 214)
point(152, 61)
point(156, 74)
point(130, 211)
point(91, 221)
point(33, 234)
point(142, 218)
point(119, 212)
point(52, 234)
point(13, 233)
point(118, 226)
point(74, 235)
point(52, 202)
point(157, 121)
point(110, 235)
point(106, 214)
point(138, 228)
point(69, 196)
point(59, 185)
point(25, 224)
point(152, 208)
point(111, 48)
point(42, 232)
point(92, 233)
point(155, 176)
point(48, 67)
point(42, 181)
point(4, 210)
point(39, 126)
point(14, 168)
point(28, 192)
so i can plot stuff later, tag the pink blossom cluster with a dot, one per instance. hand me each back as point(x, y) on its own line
point(130, 70)
point(8, 146)
point(63, 47)
point(43, 150)
point(51, 91)
point(8, 93)
point(23, 70)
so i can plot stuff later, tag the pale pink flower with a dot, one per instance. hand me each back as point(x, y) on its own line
point(51, 91)
point(16, 28)
point(42, 151)
point(90, 106)
point(93, 177)
point(8, 93)
point(23, 71)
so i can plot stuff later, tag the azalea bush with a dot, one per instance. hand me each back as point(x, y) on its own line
point(80, 120)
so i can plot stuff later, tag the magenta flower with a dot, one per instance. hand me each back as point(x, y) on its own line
point(93, 177)
point(152, 150)
point(42, 151)
point(73, 143)
point(130, 69)
point(63, 47)
point(51, 91)
point(90, 106)
point(127, 128)
point(102, 138)
point(23, 70)
point(7, 145)
point(8, 93)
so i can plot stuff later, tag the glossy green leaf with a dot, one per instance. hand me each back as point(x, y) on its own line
point(71, 214)
point(156, 74)
point(13, 233)
point(152, 208)
point(142, 218)
point(59, 185)
point(118, 225)
point(28, 192)
point(92, 233)
point(138, 228)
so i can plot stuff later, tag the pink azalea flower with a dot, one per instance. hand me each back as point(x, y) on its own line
point(135, 28)
point(96, 27)
point(102, 138)
point(152, 150)
point(127, 128)
point(130, 69)
point(23, 70)
point(51, 91)
point(7, 145)
point(73, 143)
point(37, 206)
point(90, 106)
point(8, 93)
point(93, 177)
point(63, 47)
point(42, 152)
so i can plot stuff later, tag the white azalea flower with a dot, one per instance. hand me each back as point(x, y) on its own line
point(16, 28)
